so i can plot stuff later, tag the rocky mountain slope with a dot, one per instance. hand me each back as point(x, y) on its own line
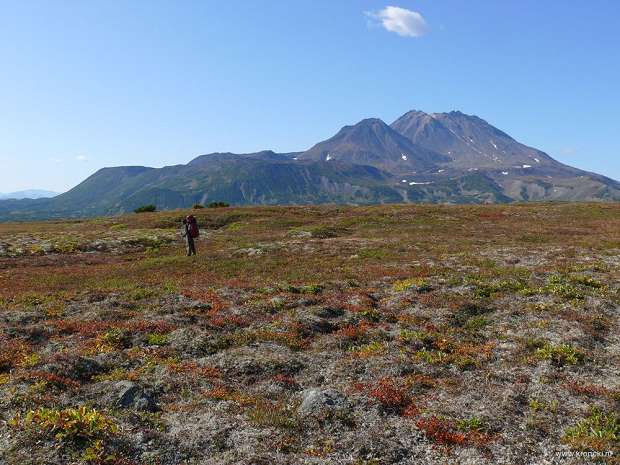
point(372, 142)
point(469, 141)
point(523, 173)
point(439, 157)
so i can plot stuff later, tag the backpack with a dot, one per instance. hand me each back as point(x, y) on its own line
point(192, 226)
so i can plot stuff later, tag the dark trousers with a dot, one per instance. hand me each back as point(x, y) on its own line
point(191, 248)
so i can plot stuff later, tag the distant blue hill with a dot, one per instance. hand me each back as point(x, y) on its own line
point(29, 194)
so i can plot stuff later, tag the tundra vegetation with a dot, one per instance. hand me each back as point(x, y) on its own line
point(317, 335)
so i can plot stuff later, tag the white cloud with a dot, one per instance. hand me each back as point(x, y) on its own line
point(403, 22)
point(81, 158)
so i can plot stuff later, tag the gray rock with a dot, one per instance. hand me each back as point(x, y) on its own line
point(311, 324)
point(101, 246)
point(73, 367)
point(250, 252)
point(47, 247)
point(302, 234)
point(317, 400)
point(328, 312)
point(277, 302)
point(126, 394)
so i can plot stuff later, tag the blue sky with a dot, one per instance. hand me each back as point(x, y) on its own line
point(93, 83)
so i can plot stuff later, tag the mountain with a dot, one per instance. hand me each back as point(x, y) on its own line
point(29, 194)
point(522, 172)
point(468, 140)
point(242, 179)
point(439, 157)
point(372, 142)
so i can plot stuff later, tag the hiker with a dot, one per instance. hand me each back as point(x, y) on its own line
point(190, 232)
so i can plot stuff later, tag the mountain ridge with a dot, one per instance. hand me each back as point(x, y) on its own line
point(440, 157)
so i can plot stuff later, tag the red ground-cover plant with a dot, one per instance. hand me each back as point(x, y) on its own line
point(51, 378)
point(291, 339)
point(94, 328)
point(286, 381)
point(421, 381)
point(408, 320)
point(207, 296)
point(577, 387)
point(354, 332)
point(354, 302)
point(218, 393)
point(440, 431)
point(420, 271)
point(11, 352)
point(220, 321)
point(83, 328)
point(195, 369)
point(160, 353)
point(358, 387)
point(431, 300)
point(221, 392)
point(146, 326)
point(411, 410)
point(430, 328)
point(393, 396)
point(492, 216)
point(238, 283)
point(444, 432)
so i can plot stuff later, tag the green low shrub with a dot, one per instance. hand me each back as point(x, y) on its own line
point(563, 354)
point(218, 205)
point(68, 424)
point(145, 208)
point(599, 431)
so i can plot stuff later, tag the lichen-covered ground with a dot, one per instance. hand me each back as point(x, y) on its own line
point(314, 335)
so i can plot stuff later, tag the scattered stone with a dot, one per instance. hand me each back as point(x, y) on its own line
point(73, 367)
point(124, 394)
point(129, 395)
point(317, 400)
point(301, 234)
point(329, 312)
point(250, 252)
point(311, 324)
